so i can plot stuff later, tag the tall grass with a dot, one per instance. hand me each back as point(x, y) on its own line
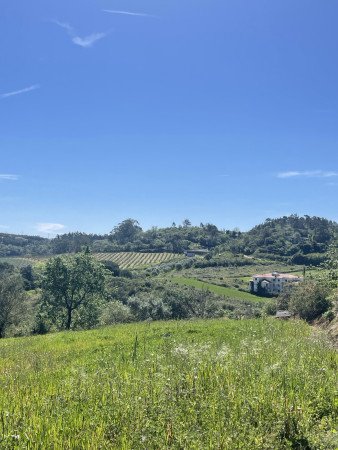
point(219, 384)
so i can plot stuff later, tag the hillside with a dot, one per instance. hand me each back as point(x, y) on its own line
point(22, 245)
point(194, 385)
point(299, 240)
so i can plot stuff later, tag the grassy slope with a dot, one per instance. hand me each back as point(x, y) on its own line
point(257, 384)
point(219, 290)
point(236, 279)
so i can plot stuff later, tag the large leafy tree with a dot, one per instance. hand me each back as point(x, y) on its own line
point(126, 231)
point(71, 283)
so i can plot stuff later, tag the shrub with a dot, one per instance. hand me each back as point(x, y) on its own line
point(115, 312)
point(309, 300)
point(270, 308)
point(329, 315)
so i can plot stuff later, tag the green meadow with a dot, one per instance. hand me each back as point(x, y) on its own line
point(219, 290)
point(217, 384)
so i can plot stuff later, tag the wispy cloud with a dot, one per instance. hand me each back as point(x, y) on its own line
point(127, 13)
point(4, 227)
point(47, 227)
point(86, 41)
point(20, 91)
point(9, 177)
point(308, 174)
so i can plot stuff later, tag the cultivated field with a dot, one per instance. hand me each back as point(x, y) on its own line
point(135, 260)
point(219, 384)
point(126, 260)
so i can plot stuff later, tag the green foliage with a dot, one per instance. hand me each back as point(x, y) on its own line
point(219, 384)
point(11, 298)
point(298, 239)
point(112, 266)
point(126, 231)
point(72, 242)
point(73, 283)
point(309, 300)
point(29, 277)
point(331, 265)
point(329, 315)
point(312, 259)
point(166, 299)
point(270, 308)
point(115, 312)
point(219, 290)
point(14, 245)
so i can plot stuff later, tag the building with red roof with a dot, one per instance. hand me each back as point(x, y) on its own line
point(272, 283)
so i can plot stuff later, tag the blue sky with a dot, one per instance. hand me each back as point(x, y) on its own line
point(214, 110)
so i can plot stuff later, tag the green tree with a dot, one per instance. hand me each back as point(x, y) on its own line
point(331, 265)
point(70, 283)
point(112, 266)
point(28, 276)
point(186, 223)
point(309, 299)
point(126, 231)
point(11, 299)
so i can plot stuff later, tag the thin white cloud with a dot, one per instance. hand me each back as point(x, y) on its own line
point(308, 174)
point(49, 227)
point(127, 13)
point(86, 41)
point(4, 227)
point(20, 91)
point(9, 177)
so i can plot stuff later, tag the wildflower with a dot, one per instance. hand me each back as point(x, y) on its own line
point(180, 350)
point(223, 352)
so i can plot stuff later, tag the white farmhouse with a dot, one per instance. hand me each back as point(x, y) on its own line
point(272, 283)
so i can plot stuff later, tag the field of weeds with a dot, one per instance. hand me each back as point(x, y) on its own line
point(218, 384)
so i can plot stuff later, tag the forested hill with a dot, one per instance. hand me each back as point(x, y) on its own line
point(298, 239)
point(18, 245)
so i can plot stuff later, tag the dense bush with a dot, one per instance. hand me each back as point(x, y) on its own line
point(309, 300)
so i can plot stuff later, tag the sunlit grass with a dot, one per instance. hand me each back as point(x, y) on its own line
point(219, 384)
point(219, 290)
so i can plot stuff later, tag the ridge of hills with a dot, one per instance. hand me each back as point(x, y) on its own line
point(295, 239)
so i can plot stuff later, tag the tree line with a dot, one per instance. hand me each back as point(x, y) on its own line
point(295, 239)
point(79, 292)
